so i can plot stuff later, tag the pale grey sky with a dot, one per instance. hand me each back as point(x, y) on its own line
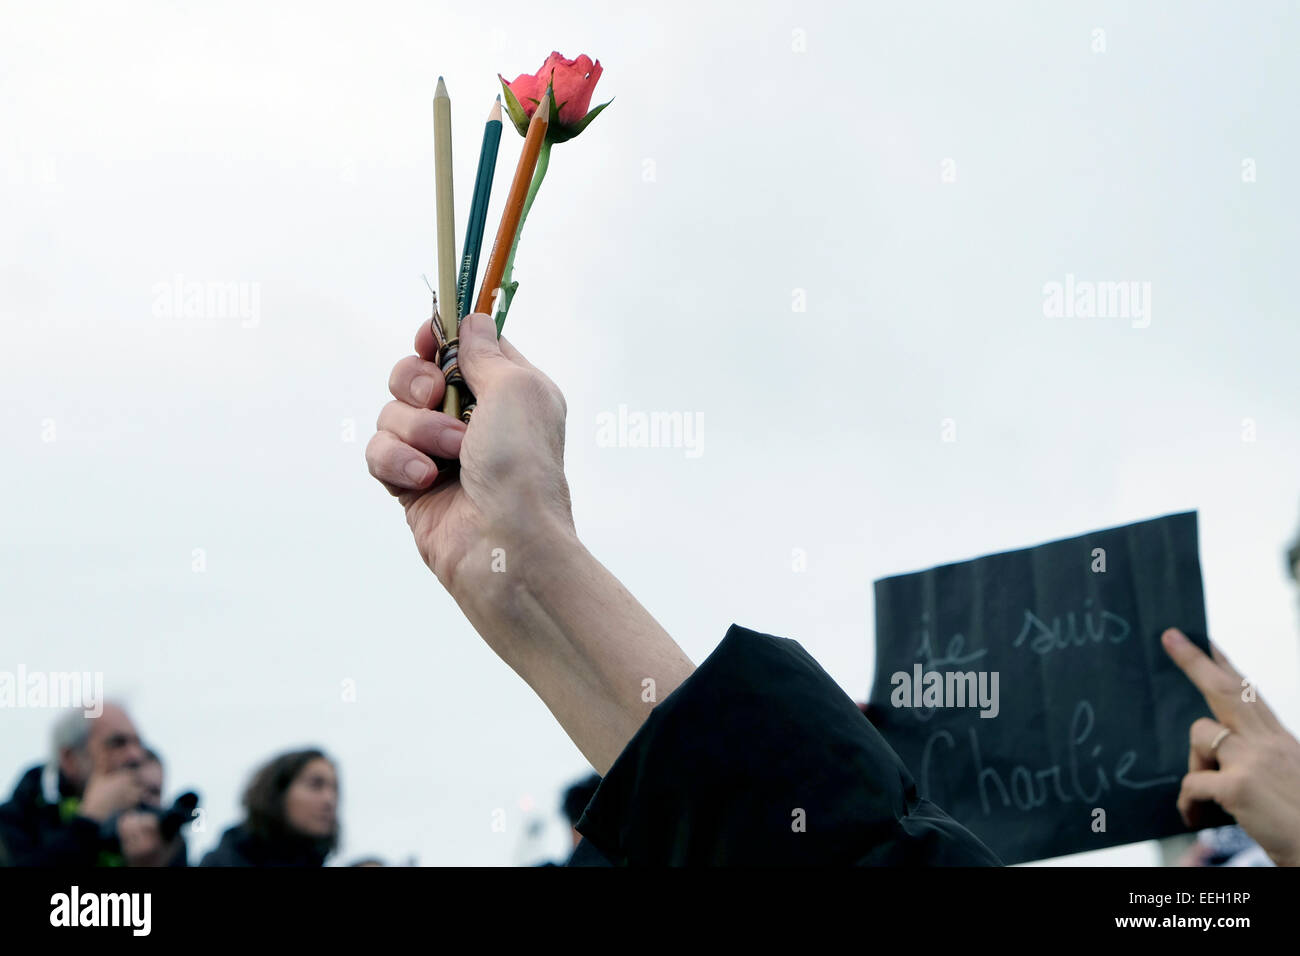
point(755, 153)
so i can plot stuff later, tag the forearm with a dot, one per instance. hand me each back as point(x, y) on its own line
point(578, 637)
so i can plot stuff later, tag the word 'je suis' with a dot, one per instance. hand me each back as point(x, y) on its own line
point(1087, 628)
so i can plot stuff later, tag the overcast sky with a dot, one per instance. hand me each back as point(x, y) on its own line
point(185, 502)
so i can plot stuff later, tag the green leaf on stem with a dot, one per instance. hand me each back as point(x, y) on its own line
point(565, 133)
point(517, 114)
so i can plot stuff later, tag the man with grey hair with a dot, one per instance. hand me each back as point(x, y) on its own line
point(58, 811)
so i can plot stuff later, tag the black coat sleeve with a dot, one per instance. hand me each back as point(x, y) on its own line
point(30, 841)
point(225, 854)
point(759, 758)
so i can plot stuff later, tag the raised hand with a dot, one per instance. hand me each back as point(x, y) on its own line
point(1253, 770)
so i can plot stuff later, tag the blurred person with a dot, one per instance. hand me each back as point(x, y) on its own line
point(1293, 559)
point(711, 764)
point(59, 810)
point(292, 815)
point(575, 802)
point(151, 776)
point(573, 805)
point(1225, 846)
point(576, 799)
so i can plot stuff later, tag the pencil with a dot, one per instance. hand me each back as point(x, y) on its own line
point(487, 164)
point(447, 306)
point(496, 264)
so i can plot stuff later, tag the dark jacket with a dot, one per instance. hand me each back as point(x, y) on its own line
point(241, 847)
point(759, 758)
point(584, 854)
point(36, 832)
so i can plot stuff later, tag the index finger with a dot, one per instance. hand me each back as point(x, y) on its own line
point(426, 346)
point(1210, 679)
point(1222, 660)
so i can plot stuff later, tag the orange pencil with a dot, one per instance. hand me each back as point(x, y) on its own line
point(496, 265)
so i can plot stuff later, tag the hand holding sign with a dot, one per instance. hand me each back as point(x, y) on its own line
point(1244, 761)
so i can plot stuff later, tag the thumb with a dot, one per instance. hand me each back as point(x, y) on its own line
point(480, 357)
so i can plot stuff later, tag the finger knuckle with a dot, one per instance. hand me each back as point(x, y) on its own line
point(1259, 757)
point(1279, 749)
point(1225, 686)
point(542, 392)
point(1236, 784)
point(396, 375)
point(559, 399)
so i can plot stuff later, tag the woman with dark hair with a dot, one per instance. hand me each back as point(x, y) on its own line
point(292, 805)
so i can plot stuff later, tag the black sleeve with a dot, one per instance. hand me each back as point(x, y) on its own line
point(584, 854)
point(181, 857)
point(221, 856)
point(75, 843)
point(228, 851)
point(759, 758)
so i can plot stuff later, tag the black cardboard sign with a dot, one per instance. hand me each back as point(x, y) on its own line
point(1030, 696)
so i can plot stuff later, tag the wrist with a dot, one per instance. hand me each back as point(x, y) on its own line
point(506, 559)
point(569, 628)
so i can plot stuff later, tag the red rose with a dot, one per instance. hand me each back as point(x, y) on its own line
point(572, 83)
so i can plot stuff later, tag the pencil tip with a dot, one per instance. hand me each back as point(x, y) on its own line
point(544, 111)
point(442, 88)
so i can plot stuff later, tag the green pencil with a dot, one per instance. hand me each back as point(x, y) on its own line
point(487, 163)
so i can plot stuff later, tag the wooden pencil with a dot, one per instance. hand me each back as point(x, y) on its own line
point(477, 225)
point(448, 310)
point(496, 264)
